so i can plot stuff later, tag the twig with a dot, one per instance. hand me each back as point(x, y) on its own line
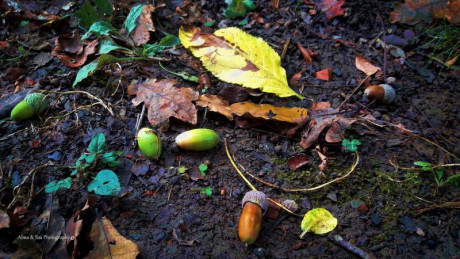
point(249, 183)
point(354, 91)
point(83, 92)
point(139, 121)
point(285, 189)
point(338, 240)
point(449, 204)
point(285, 48)
point(16, 189)
point(393, 163)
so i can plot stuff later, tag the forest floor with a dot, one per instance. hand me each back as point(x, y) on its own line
point(381, 207)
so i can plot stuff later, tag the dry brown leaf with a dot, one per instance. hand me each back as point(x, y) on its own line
point(261, 111)
point(71, 51)
point(322, 116)
point(163, 100)
point(305, 53)
point(141, 33)
point(234, 94)
point(108, 243)
point(332, 8)
point(215, 104)
point(366, 66)
point(325, 74)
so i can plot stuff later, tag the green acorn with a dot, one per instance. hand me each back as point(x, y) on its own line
point(32, 104)
point(197, 139)
point(149, 143)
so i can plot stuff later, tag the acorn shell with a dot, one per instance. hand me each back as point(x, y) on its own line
point(258, 198)
point(381, 93)
point(149, 143)
point(32, 104)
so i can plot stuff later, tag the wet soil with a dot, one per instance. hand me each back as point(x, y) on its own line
point(380, 209)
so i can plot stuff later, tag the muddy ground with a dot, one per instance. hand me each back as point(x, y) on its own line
point(378, 209)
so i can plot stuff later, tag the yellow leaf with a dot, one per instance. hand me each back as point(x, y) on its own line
point(318, 221)
point(237, 57)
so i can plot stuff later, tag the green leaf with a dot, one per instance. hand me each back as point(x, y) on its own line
point(426, 166)
point(86, 71)
point(104, 6)
point(56, 185)
point(207, 191)
point(86, 14)
point(169, 41)
point(318, 221)
point(131, 20)
point(422, 163)
point(181, 169)
point(151, 49)
point(90, 68)
point(351, 145)
point(105, 183)
point(454, 179)
point(112, 158)
point(210, 24)
point(238, 8)
point(90, 158)
point(439, 173)
point(100, 28)
point(107, 44)
point(74, 172)
point(243, 22)
point(203, 167)
point(97, 144)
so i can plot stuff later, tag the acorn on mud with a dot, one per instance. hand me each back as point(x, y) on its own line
point(33, 104)
point(149, 143)
point(197, 139)
point(255, 204)
point(382, 93)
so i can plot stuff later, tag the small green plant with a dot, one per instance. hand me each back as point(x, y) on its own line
point(203, 168)
point(238, 8)
point(207, 191)
point(106, 34)
point(438, 174)
point(442, 43)
point(351, 144)
point(182, 169)
point(106, 181)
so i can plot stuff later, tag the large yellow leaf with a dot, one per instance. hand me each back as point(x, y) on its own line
point(237, 57)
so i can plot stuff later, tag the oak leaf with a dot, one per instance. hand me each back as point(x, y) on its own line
point(237, 57)
point(365, 66)
point(163, 100)
point(261, 111)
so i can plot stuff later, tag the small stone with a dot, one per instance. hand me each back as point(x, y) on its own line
point(420, 232)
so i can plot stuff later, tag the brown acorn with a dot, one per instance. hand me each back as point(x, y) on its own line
point(255, 204)
point(382, 93)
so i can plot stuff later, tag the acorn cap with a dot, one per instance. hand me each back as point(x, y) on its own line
point(37, 102)
point(290, 205)
point(258, 198)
